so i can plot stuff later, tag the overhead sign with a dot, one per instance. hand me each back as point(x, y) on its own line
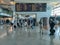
point(29, 7)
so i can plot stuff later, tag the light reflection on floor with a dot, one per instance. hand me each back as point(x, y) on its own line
point(28, 36)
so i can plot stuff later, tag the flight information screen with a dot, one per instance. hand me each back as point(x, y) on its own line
point(29, 7)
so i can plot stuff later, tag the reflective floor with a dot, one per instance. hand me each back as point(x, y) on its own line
point(28, 36)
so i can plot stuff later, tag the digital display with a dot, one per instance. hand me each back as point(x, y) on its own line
point(35, 7)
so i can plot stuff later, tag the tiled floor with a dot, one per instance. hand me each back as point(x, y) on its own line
point(25, 36)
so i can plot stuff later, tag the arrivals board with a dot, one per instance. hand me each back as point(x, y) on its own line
point(30, 7)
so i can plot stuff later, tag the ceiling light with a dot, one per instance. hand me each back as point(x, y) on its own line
point(54, 3)
point(12, 3)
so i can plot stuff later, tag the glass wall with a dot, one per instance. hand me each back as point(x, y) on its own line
point(5, 11)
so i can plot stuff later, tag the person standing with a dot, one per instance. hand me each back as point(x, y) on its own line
point(52, 24)
point(40, 24)
point(7, 26)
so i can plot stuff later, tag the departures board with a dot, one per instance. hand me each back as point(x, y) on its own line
point(30, 7)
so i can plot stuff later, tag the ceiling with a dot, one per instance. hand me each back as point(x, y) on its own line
point(35, 1)
point(53, 3)
point(30, 1)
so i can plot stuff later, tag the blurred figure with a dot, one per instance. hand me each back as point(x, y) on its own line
point(25, 24)
point(18, 24)
point(40, 24)
point(28, 22)
point(52, 24)
point(21, 22)
point(32, 23)
point(7, 21)
point(7, 26)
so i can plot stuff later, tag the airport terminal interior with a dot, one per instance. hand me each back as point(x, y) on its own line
point(29, 22)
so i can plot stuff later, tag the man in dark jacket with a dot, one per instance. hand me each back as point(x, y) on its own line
point(52, 24)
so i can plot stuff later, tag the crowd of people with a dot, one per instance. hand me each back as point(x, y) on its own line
point(30, 23)
point(22, 22)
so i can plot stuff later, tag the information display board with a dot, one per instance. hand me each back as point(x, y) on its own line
point(29, 7)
